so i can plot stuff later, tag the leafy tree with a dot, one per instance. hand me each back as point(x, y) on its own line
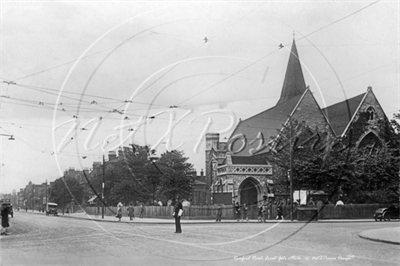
point(135, 177)
point(177, 175)
point(139, 181)
point(65, 190)
point(358, 175)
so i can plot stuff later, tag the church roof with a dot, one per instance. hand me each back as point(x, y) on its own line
point(340, 114)
point(268, 123)
point(293, 84)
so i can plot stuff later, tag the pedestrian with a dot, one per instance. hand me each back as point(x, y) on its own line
point(119, 213)
point(260, 213)
point(177, 215)
point(311, 202)
point(265, 211)
point(26, 209)
point(141, 210)
point(131, 212)
point(5, 220)
point(219, 213)
point(244, 211)
point(237, 211)
point(279, 211)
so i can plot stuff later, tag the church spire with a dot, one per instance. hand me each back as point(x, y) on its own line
point(293, 84)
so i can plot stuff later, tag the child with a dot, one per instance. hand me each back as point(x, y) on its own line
point(260, 213)
point(244, 211)
point(279, 210)
point(219, 213)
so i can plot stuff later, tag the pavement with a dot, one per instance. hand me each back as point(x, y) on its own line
point(390, 235)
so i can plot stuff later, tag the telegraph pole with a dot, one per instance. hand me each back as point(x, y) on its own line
point(47, 200)
point(291, 169)
point(33, 197)
point(64, 193)
point(102, 191)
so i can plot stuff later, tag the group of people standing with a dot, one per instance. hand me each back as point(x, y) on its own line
point(131, 211)
point(178, 212)
point(241, 212)
point(265, 212)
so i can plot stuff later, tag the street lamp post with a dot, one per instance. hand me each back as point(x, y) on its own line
point(154, 178)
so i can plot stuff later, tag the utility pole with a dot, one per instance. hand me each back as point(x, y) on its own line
point(64, 192)
point(47, 200)
point(291, 150)
point(102, 190)
point(33, 197)
point(291, 172)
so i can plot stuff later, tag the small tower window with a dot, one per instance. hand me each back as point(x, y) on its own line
point(371, 113)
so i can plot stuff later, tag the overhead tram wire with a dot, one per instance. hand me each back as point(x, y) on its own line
point(305, 36)
point(106, 108)
point(120, 44)
point(77, 93)
point(69, 62)
point(336, 21)
point(85, 109)
point(194, 50)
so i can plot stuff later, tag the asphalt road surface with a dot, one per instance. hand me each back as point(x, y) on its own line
point(48, 240)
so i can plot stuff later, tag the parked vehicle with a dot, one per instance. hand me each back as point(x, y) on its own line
point(51, 208)
point(387, 213)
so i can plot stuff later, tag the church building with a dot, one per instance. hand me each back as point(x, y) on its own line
point(237, 171)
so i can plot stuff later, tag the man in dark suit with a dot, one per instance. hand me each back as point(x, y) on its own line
point(177, 215)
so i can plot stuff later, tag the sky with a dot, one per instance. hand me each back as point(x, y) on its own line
point(82, 78)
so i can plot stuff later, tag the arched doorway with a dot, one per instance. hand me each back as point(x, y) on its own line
point(249, 191)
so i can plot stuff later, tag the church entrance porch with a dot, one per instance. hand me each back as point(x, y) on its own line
point(250, 193)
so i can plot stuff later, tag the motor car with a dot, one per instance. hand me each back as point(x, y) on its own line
point(385, 214)
point(51, 208)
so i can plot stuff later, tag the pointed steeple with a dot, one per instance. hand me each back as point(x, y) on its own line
point(293, 84)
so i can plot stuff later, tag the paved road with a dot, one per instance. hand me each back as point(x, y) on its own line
point(41, 240)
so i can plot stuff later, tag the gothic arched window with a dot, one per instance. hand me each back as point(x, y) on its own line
point(370, 141)
point(371, 113)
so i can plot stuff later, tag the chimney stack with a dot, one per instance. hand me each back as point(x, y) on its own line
point(112, 155)
point(120, 152)
point(96, 164)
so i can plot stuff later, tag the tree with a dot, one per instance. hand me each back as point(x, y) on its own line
point(359, 175)
point(308, 149)
point(177, 175)
point(138, 176)
point(65, 190)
